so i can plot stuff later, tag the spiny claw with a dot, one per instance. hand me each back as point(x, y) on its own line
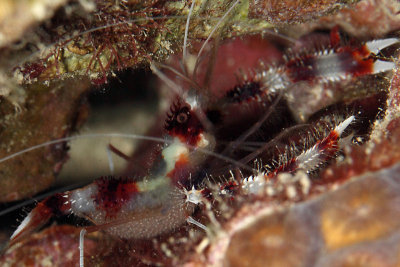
point(40, 215)
point(35, 219)
point(343, 125)
point(376, 46)
point(382, 66)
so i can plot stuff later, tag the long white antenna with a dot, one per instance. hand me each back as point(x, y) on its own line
point(66, 139)
point(121, 135)
point(81, 247)
point(187, 32)
point(212, 33)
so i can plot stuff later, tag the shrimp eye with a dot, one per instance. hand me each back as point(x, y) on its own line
point(182, 122)
point(182, 117)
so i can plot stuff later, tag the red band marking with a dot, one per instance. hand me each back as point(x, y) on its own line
point(113, 194)
point(180, 171)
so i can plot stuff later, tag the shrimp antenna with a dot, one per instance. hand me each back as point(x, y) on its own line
point(178, 90)
point(184, 53)
point(180, 75)
point(71, 138)
point(212, 33)
point(91, 30)
point(271, 142)
point(171, 84)
point(121, 135)
point(253, 128)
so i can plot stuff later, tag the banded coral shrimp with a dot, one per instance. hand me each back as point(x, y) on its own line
point(65, 139)
point(226, 189)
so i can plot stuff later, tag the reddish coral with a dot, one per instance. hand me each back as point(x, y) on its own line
point(367, 18)
point(55, 246)
point(290, 11)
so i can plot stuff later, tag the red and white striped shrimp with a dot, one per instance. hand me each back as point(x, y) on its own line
point(195, 146)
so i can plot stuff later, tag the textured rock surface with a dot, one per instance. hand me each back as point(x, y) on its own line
point(20, 16)
point(355, 225)
point(56, 246)
point(282, 12)
point(349, 219)
point(50, 113)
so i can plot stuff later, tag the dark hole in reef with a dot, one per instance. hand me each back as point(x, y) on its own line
point(128, 104)
point(128, 86)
